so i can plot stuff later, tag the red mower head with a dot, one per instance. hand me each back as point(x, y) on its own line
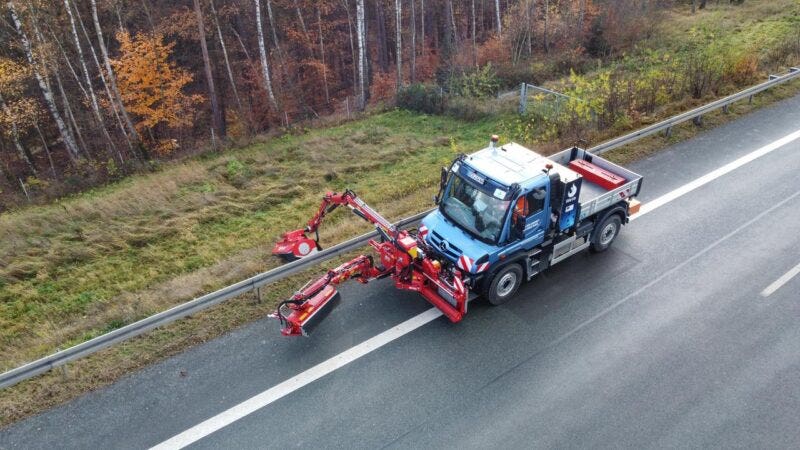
point(295, 245)
point(302, 317)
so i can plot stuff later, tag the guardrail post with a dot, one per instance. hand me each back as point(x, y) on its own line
point(64, 373)
point(725, 109)
point(523, 97)
point(668, 132)
point(258, 295)
point(698, 121)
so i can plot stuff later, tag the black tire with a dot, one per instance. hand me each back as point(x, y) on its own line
point(604, 235)
point(504, 284)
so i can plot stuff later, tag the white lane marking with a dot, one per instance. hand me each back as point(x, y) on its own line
point(672, 271)
point(269, 396)
point(281, 390)
point(713, 175)
point(793, 272)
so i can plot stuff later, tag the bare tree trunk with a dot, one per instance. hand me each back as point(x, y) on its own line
point(216, 114)
point(263, 52)
point(546, 26)
point(23, 153)
point(474, 39)
point(71, 68)
point(111, 100)
point(694, 6)
point(380, 36)
point(272, 26)
point(46, 150)
point(352, 46)
point(413, 74)
point(241, 44)
point(398, 45)
point(451, 12)
point(90, 89)
point(71, 116)
point(450, 32)
point(529, 29)
point(497, 16)
point(322, 57)
point(582, 16)
point(69, 142)
point(361, 33)
point(422, 24)
point(227, 60)
point(302, 22)
point(112, 78)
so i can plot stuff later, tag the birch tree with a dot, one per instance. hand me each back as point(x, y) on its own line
point(422, 23)
point(263, 52)
point(47, 93)
point(216, 114)
point(228, 69)
point(474, 39)
point(89, 88)
point(322, 56)
point(497, 16)
point(361, 36)
point(112, 78)
point(106, 87)
point(352, 45)
point(413, 53)
point(398, 7)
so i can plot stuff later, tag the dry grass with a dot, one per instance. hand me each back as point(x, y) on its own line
point(86, 265)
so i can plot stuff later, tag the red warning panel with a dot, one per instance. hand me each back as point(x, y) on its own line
point(596, 175)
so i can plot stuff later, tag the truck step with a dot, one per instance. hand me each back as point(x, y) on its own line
point(601, 177)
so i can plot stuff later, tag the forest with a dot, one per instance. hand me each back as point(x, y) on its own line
point(94, 90)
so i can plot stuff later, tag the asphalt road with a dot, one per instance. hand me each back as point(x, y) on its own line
point(663, 341)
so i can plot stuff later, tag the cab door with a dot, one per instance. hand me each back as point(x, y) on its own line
point(530, 217)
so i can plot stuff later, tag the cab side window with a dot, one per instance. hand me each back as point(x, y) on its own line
point(535, 200)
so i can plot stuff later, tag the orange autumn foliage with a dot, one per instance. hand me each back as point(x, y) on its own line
point(151, 85)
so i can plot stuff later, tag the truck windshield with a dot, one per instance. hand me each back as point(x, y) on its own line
point(474, 210)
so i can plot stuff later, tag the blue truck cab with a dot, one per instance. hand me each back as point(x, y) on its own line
point(505, 213)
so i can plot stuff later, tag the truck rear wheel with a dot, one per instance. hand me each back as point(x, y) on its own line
point(604, 235)
point(504, 284)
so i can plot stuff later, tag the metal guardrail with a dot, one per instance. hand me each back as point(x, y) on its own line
point(186, 309)
point(255, 283)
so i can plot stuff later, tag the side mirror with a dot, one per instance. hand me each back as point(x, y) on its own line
point(442, 185)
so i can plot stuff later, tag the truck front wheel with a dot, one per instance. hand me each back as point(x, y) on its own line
point(504, 284)
point(604, 235)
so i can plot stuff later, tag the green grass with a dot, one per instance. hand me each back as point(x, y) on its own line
point(69, 262)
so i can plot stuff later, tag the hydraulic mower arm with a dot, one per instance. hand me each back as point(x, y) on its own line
point(297, 244)
point(313, 302)
point(403, 256)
